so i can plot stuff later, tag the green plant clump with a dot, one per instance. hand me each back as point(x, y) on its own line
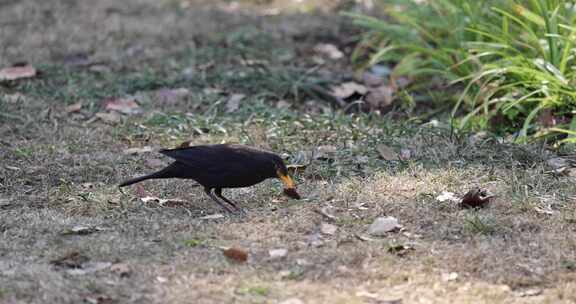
point(513, 60)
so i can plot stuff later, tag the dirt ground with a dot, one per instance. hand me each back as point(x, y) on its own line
point(69, 235)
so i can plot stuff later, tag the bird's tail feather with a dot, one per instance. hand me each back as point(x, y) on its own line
point(136, 180)
point(164, 173)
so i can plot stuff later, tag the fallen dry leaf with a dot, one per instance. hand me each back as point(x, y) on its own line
point(233, 102)
point(89, 267)
point(329, 50)
point(447, 196)
point(382, 225)
point(448, 277)
point(386, 152)
point(236, 254)
point(161, 279)
point(547, 118)
point(17, 72)
point(138, 150)
point(476, 198)
point(126, 106)
point(380, 97)
point(545, 209)
point(76, 107)
point(170, 202)
point(278, 253)
point(121, 269)
point(530, 292)
point(283, 104)
point(82, 230)
point(328, 229)
point(212, 216)
point(348, 89)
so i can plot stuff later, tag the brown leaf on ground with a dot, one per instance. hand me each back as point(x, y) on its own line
point(476, 198)
point(126, 106)
point(380, 97)
point(170, 202)
point(386, 152)
point(212, 216)
point(283, 104)
point(121, 269)
point(236, 254)
point(82, 230)
point(348, 89)
point(329, 50)
point(382, 225)
point(547, 118)
point(446, 196)
point(138, 150)
point(89, 267)
point(233, 102)
point(277, 253)
point(76, 107)
point(17, 72)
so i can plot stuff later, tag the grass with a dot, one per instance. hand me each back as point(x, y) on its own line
point(510, 56)
point(59, 170)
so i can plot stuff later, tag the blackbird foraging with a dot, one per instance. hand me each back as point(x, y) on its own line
point(216, 167)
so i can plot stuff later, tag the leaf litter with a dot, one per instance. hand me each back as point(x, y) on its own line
point(17, 72)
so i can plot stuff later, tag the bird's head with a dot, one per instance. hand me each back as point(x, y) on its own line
point(282, 173)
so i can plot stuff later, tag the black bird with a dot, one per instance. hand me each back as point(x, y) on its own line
point(216, 167)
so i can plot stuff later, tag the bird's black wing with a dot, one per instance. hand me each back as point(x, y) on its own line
point(211, 157)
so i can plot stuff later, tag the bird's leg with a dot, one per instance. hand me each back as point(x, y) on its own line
point(218, 192)
point(214, 198)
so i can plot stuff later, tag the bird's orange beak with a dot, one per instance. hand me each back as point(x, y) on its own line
point(289, 187)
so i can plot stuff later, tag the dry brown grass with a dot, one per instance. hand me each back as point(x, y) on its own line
point(58, 171)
